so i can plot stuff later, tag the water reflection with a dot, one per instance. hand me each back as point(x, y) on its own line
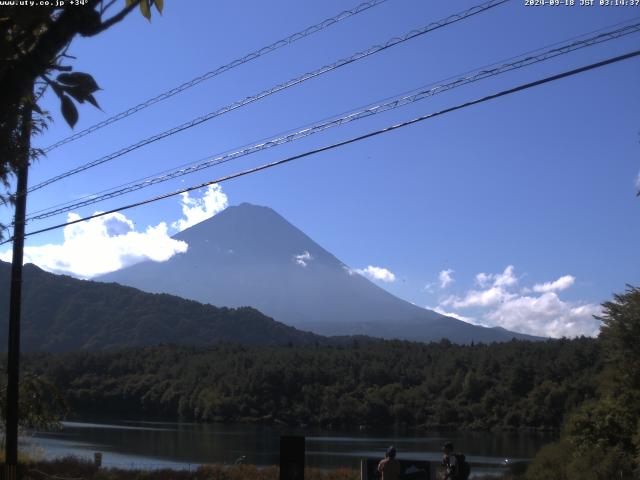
point(155, 444)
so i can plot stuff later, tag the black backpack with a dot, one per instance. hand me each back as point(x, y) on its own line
point(464, 469)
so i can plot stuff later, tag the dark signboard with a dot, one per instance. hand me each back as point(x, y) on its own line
point(291, 458)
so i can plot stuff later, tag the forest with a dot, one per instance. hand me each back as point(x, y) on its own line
point(511, 385)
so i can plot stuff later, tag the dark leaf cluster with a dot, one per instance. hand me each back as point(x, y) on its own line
point(77, 85)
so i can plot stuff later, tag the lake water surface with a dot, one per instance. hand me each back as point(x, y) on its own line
point(149, 444)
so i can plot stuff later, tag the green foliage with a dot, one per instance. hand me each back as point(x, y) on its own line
point(377, 383)
point(620, 338)
point(561, 461)
point(601, 439)
point(606, 422)
point(550, 463)
point(145, 6)
point(41, 404)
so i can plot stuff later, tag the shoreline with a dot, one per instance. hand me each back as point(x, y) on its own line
point(275, 422)
point(74, 467)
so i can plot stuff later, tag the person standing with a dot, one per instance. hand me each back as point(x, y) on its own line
point(389, 467)
point(450, 462)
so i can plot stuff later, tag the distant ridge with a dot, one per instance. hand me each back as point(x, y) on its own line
point(61, 313)
point(250, 255)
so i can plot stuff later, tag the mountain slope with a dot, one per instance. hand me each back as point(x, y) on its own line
point(60, 313)
point(250, 255)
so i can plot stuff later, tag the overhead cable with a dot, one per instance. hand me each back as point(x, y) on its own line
point(570, 41)
point(253, 98)
point(393, 103)
point(407, 123)
point(219, 70)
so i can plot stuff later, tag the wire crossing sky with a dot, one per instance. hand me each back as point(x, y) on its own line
point(283, 86)
point(530, 57)
point(220, 70)
point(525, 60)
point(391, 128)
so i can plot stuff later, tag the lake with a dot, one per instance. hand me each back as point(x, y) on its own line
point(157, 444)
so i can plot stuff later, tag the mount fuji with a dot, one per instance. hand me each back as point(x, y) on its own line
point(249, 255)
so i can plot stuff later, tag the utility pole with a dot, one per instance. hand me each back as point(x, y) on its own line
point(13, 357)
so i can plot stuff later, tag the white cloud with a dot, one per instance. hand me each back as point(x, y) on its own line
point(560, 284)
point(377, 273)
point(546, 315)
point(478, 298)
point(495, 290)
point(453, 315)
point(638, 181)
point(445, 278)
point(102, 245)
point(105, 244)
point(536, 311)
point(303, 259)
point(482, 279)
point(504, 279)
point(196, 210)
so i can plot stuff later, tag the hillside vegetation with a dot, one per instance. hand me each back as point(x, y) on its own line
point(61, 313)
point(601, 439)
point(503, 385)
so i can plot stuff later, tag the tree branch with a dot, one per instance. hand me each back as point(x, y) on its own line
point(104, 8)
point(113, 20)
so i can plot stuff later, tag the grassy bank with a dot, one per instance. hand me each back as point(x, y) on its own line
point(76, 469)
point(71, 467)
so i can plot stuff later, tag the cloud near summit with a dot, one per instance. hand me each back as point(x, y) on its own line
point(196, 210)
point(102, 245)
point(377, 273)
point(109, 243)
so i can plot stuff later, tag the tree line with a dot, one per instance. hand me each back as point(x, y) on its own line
point(518, 384)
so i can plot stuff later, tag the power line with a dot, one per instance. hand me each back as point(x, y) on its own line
point(224, 68)
point(393, 103)
point(293, 82)
point(266, 166)
point(561, 45)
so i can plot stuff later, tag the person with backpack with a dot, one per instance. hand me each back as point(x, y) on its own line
point(455, 464)
point(389, 467)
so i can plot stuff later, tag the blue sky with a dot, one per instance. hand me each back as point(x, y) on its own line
point(535, 190)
